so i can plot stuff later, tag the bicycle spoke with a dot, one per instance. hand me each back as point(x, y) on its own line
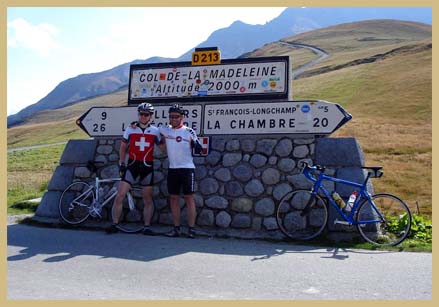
point(386, 222)
point(131, 218)
point(75, 202)
point(297, 223)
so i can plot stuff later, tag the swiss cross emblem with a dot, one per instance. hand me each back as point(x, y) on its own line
point(204, 140)
point(142, 144)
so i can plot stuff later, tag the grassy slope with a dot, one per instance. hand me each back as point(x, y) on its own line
point(59, 125)
point(390, 100)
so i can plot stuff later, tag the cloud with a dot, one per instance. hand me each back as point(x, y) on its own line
point(40, 38)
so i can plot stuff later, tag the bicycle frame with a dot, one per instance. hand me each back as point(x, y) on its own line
point(97, 206)
point(363, 194)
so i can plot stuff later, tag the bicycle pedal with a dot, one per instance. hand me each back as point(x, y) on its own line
point(336, 221)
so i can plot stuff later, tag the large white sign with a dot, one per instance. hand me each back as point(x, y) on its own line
point(240, 79)
point(300, 117)
point(112, 121)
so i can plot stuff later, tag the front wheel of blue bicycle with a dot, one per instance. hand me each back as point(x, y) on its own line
point(386, 222)
point(297, 223)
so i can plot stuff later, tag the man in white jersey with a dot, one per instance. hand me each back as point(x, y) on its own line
point(179, 140)
point(139, 138)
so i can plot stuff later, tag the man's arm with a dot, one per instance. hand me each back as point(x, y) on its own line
point(195, 143)
point(162, 144)
point(122, 152)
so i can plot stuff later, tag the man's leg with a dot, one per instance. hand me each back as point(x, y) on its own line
point(147, 205)
point(191, 209)
point(117, 205)
point(175, 209)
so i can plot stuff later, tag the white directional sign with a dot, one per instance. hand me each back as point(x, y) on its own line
point(112, 121)
point(289, 117)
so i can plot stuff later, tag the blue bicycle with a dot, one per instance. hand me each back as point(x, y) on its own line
point(381, 219)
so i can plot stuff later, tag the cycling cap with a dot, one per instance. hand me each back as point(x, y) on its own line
point(145, 107)
point(176, 108)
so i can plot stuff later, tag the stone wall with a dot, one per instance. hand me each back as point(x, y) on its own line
point(237, 185)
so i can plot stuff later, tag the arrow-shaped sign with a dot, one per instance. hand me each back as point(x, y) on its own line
point(287, 117)
point(314, 117)
point(112, 121)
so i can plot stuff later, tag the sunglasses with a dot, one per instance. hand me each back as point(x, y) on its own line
point(174, 116)
point(144, 114)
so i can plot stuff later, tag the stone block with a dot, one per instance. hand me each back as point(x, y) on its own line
point(223, 219)
point(61, 178)
point(79, 152)
point(48, 206)
point(338, 152)
point(354, 174)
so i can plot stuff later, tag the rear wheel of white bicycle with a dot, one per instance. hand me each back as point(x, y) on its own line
point(75, 202)
point(292, 220)
point(387, 225)
point(131, 218)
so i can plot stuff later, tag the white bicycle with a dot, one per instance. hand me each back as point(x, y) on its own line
point(81, 200)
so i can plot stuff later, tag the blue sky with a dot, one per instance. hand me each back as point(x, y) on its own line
point(49, 45)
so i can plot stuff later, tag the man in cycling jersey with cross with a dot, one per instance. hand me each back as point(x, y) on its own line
point(139, 138)
point(179, 140)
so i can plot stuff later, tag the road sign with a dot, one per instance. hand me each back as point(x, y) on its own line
point(289, 117)
point(247, 78)
point(112, 121)
point(206, 56)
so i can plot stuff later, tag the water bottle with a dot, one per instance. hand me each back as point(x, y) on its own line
point(351, 201)
point(340, 202)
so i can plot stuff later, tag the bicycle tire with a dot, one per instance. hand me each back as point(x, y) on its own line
point(75, 201)
point(295, 226)
point(388, 232)
point(130, 221)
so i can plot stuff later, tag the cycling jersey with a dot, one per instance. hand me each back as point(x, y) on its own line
point(178, 144)
point(141, 142)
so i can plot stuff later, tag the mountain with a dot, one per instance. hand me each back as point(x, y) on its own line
point(240, 37)
point(82, 87)
point(233, 41)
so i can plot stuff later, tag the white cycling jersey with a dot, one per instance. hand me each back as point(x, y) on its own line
point(178, 144)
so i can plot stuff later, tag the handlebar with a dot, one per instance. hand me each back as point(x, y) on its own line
point(307, 170)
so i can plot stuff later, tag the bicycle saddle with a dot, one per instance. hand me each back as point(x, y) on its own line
point(376, 171)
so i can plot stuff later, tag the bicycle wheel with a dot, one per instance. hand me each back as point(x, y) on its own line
point(387, 223)
point(290, 220)
point(75, 202)
point(131, 218)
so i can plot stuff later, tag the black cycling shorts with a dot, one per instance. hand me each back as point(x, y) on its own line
point(181, 180)
point(138, 171)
